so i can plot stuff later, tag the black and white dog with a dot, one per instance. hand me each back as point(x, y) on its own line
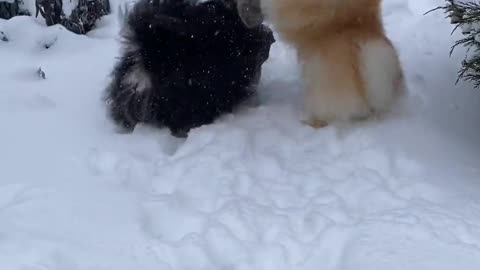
point(185, 63)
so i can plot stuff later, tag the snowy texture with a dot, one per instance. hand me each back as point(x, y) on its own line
point(255, 190)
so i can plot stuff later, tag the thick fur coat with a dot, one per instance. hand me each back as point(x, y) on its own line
point(350, 68)
point(184, 64)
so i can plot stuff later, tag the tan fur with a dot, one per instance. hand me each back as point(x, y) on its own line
point(329, 35)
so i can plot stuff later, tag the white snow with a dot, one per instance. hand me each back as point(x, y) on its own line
point(255, 190)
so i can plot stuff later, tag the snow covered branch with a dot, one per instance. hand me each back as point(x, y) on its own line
point(466, 16)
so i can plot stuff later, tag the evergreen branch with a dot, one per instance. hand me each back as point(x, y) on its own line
point(466, 16)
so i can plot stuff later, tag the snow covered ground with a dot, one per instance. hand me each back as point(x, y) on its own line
point(255, 190)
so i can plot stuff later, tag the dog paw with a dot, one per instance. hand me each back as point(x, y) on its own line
point(315, 123)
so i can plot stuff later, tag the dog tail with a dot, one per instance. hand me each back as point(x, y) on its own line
point(130, 95)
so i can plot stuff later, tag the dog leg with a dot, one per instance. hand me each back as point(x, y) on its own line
point(315, 123)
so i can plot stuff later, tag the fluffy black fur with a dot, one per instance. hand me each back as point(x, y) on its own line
point(184, 64)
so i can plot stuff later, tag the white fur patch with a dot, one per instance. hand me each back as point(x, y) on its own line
point(329, 100)
point(138, 79)
point(382, 74)
point(266, 6)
